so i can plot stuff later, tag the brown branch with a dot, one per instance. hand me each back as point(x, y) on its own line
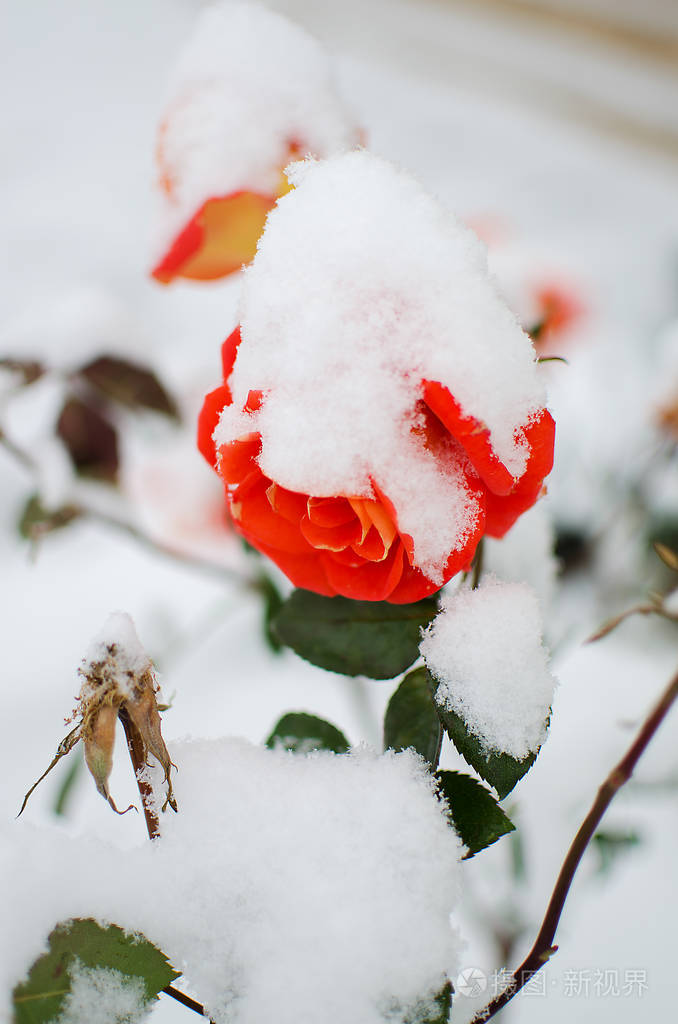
point(543, 947)
point(137, 753)
point(478, 564)
point(191, 561)
point(185, 1000)
point(655, 607)
point(157, 546)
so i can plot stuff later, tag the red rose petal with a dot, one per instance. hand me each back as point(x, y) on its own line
point(332, 538)
point(373, 581)
point(229, 351)
point(304, 571)
point(329, 511)
point(372, 548)
point(291, 505)
point(218, 239)
point(502, 512)
point(473, 435)
point(237, 458)
point(208, 419)
point(252, 512)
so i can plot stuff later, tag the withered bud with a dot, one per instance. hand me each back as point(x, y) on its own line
point(99, 740)
point(118, 681)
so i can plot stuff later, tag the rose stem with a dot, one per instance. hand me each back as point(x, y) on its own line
point(543, 947)
point(137, 753)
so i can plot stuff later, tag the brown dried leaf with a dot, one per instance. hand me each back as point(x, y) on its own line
point(91, 440)
point(130, 384)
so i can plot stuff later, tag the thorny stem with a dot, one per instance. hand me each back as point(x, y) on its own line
point(543, 947)
point(137, 753)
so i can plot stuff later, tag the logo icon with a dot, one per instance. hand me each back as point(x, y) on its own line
point(471, 982)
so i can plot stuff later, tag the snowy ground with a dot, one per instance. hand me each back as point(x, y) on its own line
point(561, 149)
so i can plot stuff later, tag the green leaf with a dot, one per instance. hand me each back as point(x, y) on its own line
point(611, 844)
point(41, 997)
point(499, 769)
point(431, 1011)
point(411, 718)
point(476, 816)
point(66, 788)
point(302, 733)
point(273, 602)
point(129, 384)
point(368, 638)
point(35, 520)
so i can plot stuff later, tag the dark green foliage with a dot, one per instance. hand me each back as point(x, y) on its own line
point(40, 998)
point(411, 718)
point(369, 638)
point(501, 770)
point(475, 814)
point(302, 733)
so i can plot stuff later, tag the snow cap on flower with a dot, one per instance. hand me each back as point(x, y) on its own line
point(251, 91)
point(381, 389)
point(485, 650)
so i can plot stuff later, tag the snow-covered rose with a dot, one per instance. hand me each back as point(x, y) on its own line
point(251, 92)
point(380, 408)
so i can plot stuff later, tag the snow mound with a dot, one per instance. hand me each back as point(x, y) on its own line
point(310, 887)
point(485, 650)
point(101, 995)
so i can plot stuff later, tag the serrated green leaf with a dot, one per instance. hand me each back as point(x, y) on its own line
point(411, 718)
point(40, 998)
point(355, 638)
point(501, 770)
point(302, 733)
point(475, 814)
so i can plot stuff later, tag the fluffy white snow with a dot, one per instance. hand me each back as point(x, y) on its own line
point(362, 287)
point(248, 84)
point(101, 995)
point(485, 650)
point(117, 653)
point(287, 888)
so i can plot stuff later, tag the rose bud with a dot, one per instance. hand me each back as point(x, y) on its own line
point(118, 682)
point(98, 738)
point(381, 409)
point(251, 91)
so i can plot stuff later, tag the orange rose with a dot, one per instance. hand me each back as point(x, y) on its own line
point(352, 545)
